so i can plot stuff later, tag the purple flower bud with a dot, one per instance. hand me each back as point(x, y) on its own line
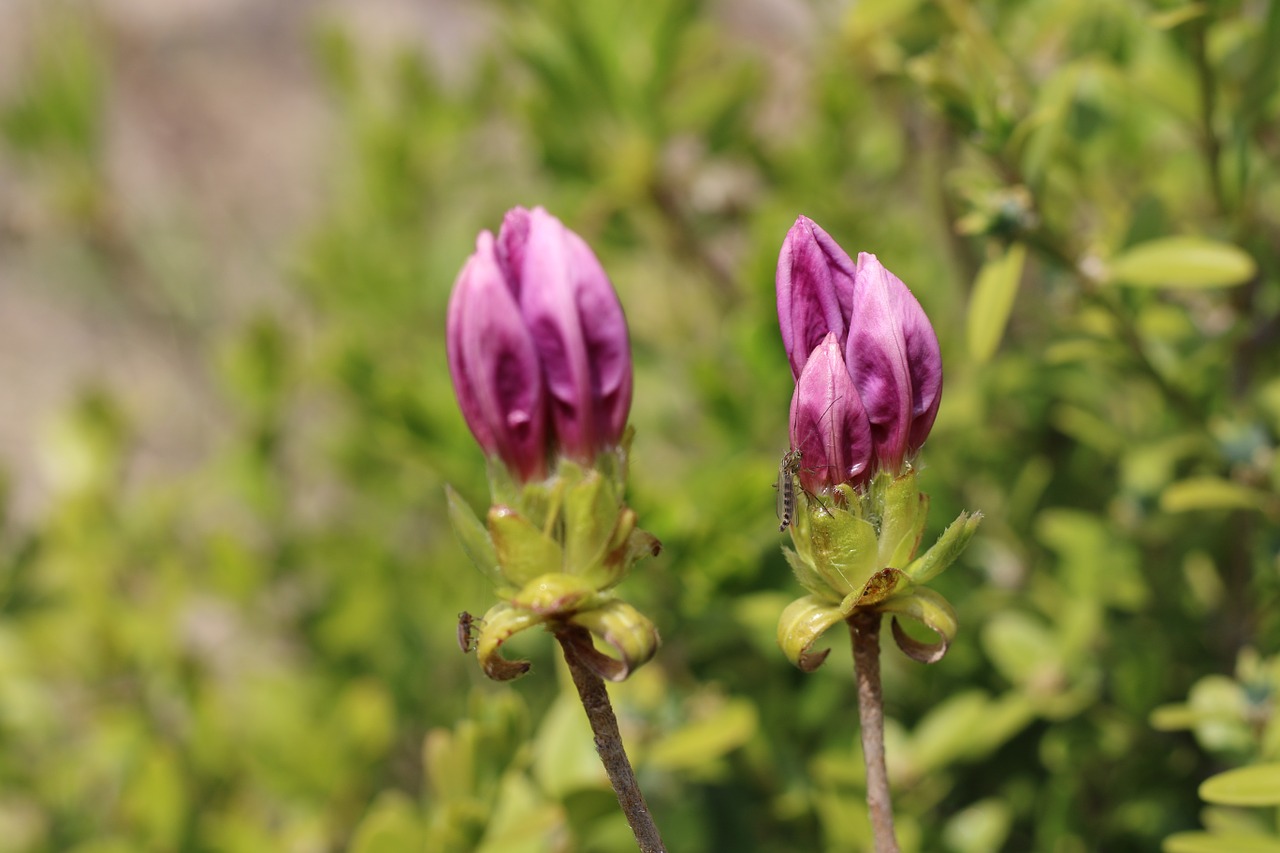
point(494, 364)
point(828, 423)
point(578, 328)
point(815, 291)
point(893, 356)
point(536, 339)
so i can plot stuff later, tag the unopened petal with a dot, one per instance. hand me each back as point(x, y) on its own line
point(828, 424)
point(893, 357)
point(494, 365)
point(580, 334)
point(815, 285)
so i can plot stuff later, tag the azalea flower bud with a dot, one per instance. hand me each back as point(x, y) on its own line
point(888, 347)
point(538, 346)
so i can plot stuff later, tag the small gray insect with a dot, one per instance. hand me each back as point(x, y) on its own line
point(466, 631)
point(786, 486)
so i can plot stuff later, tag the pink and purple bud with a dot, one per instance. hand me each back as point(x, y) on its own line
point(863, 320)
point(538, 347)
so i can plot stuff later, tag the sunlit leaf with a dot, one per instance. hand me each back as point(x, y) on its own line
point(1182, 262)
point(992, 300)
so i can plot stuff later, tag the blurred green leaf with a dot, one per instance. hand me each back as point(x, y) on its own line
point(1246, 786)
point(992, 300)
point(1203, 842)
point(1182, 262)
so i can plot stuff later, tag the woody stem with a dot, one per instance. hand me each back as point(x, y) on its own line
point(604, 725)
point(864, 628)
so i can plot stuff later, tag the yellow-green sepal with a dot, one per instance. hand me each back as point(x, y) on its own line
point(624, 629)
point(945, 551)
point(473, 537)
point(498, 625)
point(556, 594)
point(880, 587)
point(802, 622)
point(523, 551)
point(843, 549)
point(905, 511)
point(930, 608)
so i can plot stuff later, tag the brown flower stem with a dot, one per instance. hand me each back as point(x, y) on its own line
point(864, 628)
point(595, 701)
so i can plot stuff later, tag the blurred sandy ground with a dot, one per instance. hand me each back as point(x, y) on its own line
point(217, 139)
point(218, 142)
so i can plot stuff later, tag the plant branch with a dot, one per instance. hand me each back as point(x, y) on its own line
point(604, 725)
point(864, 628)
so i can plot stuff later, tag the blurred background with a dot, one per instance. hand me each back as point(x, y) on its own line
point(228, 588)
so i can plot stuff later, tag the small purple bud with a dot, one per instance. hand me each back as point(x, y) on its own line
point(578, 328)
point(494, 364)
point(828, 423)
point(893, 356)
point(815, 291)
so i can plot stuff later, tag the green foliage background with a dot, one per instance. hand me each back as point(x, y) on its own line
point(260, 655)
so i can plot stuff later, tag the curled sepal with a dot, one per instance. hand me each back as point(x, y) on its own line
point(802, 622)
point(935, 612)
point(621, 627)
point(472, 536)
point(524, 552)
point(633, 545)
point(945, 551)
point(501, 623)
point(902, 521)
point(556, 594)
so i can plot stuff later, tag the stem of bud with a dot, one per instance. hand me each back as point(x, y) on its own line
point(595, 701)
point(864, 628)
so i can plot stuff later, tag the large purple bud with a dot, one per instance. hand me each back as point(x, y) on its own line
point(887, 346)
point(538, 347)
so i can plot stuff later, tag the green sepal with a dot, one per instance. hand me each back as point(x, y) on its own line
point(472, 536)
point(808, 576)
point(802, 622)
point(556, 594)
point(501, 623)
point(523, 551)
point(927, 606)
point(590, 520)
point(627, 546)
point(541, 500)
point(880, 587)
point(945, 551)
point(844, 549)
point(902, 519)
point(625, 630)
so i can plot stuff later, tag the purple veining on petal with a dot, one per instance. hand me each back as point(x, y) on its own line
point(815, 285)
point(495, 366)
point(828, 423)
point(876, 355)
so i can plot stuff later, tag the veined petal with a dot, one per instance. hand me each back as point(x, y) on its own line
point(893, 356)
point(494, 365)
point(580, 334)
point(828, 424)
point(802, 622)
point(815, 285)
